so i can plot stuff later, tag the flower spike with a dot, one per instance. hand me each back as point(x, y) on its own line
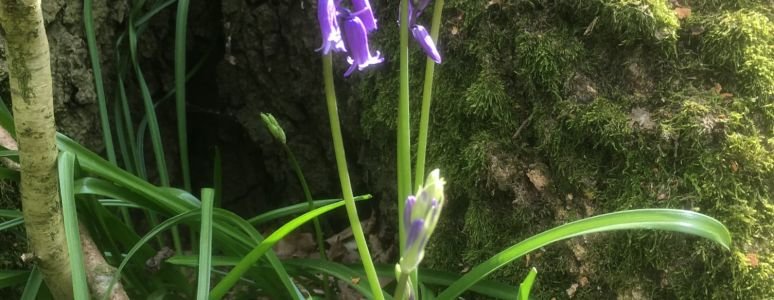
point(420, 216)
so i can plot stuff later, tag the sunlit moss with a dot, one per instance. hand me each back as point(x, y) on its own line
point(505, 104)
point(741, 43)
point(630, 21)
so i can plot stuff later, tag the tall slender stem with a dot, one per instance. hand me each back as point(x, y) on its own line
point(316, 221)
point(427, 97)
point(404, 131)
point(346, 187)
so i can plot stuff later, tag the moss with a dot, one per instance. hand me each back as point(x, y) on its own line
point(741, 43)
point(629, 21)
point(611, 127)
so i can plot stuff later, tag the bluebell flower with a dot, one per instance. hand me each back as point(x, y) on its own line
point(420, 216)
point(362, 9)
point(419, 32)
point(356, 42)
point(426, 42)
point(327, 13)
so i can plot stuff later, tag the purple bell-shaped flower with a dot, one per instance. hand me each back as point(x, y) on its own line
point(327, 13)
point(362, 9)
point(419, 32)
point(356, 42)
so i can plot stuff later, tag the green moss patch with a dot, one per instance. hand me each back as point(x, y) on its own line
point(539, 120)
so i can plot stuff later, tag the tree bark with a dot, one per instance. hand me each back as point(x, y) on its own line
point(31, 93)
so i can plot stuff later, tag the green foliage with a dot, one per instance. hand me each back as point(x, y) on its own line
point(545, 59)
point(629, 21)
point(648, 130)
point(741, 43)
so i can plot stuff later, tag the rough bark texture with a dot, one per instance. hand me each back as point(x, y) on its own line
point(31, 92)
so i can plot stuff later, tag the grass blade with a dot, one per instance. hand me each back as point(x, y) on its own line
point(526, 286)
point(70, 214)
point(91, 41)
point(222, 216)
point(118, 203)
point(9, 174)
point(10, 213)
point(6, 119)
point(33, 285)
point(217, 177)
point(661, 219)
point(231, 278)
point(150, 111)
point(484, 287)
point(11, 223)
point(340, 272)
point(12, 278)
point(181, 22)
point(205, 245)
point(296, 209)
point(145, 239)
point(235, 243)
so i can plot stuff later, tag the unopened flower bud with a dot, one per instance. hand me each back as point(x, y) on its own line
point(274, 128)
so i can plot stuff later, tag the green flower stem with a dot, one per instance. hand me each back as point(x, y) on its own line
point(404, 132)
point(346, 187)
point(427, 97)
point(308, 195)
point(400, 288)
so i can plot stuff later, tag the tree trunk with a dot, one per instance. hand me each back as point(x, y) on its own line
point(31, 93)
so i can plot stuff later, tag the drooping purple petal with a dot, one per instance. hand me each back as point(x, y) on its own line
point(363, 11)
point(414, 232)
point(356, 42)
point(329, 27)
point(426, 42)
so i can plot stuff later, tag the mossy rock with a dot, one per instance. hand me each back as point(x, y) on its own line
point(539, 120)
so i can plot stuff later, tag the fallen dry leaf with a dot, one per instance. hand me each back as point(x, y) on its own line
point(683, 12)
point(641, 117)
point(537, 178)
point(571, 290)
point(752, 259)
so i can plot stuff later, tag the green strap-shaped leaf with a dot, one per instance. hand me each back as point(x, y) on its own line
point(660, 219)
point(72, 232)
point(11, 223)
point(205, 245)
point(32, 286)
point(12, 278)
point(233, 276)
point(526, 286)
point(296, 209)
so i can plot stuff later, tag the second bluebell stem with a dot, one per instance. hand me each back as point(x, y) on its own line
point(346, 186)
point(427, 97)
point(404, 130)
